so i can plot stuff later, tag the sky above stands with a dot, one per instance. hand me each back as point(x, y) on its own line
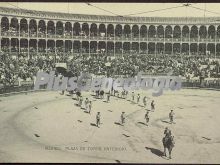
point(123, 8)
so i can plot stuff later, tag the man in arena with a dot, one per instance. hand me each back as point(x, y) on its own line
point(138, 98)
point(90, 106)
point(147, 117)
point(122, 94)
point(133, 96)
point(167, 132)
point(122, 118)
point(171, 115)
point(80, 101)
point(98, 116)
point(86, 103)
point(152, 105)
point(102, 94)
point(145, 101)
point(108, 97)
point(126, 94)
point(97, 94)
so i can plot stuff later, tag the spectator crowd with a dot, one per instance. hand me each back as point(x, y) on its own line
point(21, 68)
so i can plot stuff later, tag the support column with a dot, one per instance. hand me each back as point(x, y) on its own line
point(89, 49)
point(164, 48)
point(147, 39)
point(9, 46)
point(0, 35)
point(37, 22)
point(189, 39)
point(206, 47)
point(37, 46)
point(172, 48)
point(114, 47)
point(106, 37)
point(131, 37)
point(181, 39)
point(181, 48)
point(189, 49)
point(55, 33)
point(9, 24)
point(55, 29)
point(198, 42)
point(89, 24)
point(139, 39)
point(122, 52)
point(37, 38)
point(147, 34)
point(28, 46)
point(28, 38)
point(72, 40)
point(46, 45)
point(19, 45)
point(46, 26)
point(55, 49)
point(64, 46)
point(114, 26)
point(19, 38)
point(9, 30)
point(172, 40)
point(215, 39)
point(46, 21)
point(81, 47)
point(215, 49)
point(97, 47)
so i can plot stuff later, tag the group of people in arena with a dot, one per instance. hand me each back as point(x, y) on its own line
point(85, 103)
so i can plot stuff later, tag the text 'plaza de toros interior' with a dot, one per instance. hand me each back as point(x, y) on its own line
point(59, 34)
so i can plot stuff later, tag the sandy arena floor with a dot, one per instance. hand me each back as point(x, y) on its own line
point(49, 127)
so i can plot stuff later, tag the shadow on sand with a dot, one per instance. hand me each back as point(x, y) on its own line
point(117, 123)
point(117, 161)
point(36, 135)
point(126, 135)
point(92, 124)
point(142, 123)
point(164, 121)
point(155, 151)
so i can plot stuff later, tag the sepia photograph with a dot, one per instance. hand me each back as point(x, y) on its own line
point(109, 82)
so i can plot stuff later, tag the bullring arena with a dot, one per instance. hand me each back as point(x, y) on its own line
point(49, 127)
point(55, 126)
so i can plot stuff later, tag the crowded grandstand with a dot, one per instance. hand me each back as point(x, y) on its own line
point(108, 46)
